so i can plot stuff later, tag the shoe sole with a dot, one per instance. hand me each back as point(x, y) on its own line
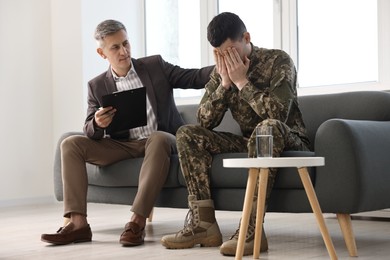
point(67, 243)
point(231, 251)
point(123, 243)
point(203, 242)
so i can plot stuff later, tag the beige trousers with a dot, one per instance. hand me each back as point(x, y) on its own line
point(77, 150)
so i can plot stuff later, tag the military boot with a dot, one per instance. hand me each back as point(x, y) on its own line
point(229, 247)
point(200, 227)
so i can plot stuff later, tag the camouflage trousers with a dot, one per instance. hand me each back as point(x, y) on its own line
point(196, 145)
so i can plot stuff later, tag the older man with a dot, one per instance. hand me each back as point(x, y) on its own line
point(154, 141)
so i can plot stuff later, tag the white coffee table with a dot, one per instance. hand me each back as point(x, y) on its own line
point(261, 166)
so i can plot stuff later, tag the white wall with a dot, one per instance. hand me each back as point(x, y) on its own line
point(66, 31)
point(25, 100)
point(42, 92)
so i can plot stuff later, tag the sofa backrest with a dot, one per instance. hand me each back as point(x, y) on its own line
point(316, 109)
point(359, 105)
point(228, 124)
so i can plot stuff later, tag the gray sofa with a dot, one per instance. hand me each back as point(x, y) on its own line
point(351, 130)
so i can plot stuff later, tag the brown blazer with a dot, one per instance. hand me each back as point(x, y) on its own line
point(160, 78)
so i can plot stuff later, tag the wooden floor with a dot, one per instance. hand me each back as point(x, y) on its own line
point(290, 236)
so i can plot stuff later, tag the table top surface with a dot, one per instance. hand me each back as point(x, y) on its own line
point(274, 162)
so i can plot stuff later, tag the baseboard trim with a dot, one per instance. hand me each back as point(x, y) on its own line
point(369, 218)
point(27, 201)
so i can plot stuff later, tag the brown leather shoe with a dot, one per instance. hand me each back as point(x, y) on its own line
point(133, 235)
point(66, 235)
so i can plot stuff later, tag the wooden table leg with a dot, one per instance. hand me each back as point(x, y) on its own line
point(246, 211)
point(261, 196)
point(311, 195)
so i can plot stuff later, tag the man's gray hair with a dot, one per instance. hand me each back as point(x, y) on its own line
point(107, 27)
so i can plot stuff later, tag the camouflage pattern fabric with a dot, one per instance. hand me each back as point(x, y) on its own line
point(270, 98)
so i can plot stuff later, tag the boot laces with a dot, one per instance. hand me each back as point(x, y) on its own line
point(188, 223)
point(249, 234)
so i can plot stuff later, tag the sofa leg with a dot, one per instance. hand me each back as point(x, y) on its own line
point(150, 218)
point(346, 228)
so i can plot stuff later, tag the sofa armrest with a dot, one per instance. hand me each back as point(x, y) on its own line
point(57, 166)
point(356, 174)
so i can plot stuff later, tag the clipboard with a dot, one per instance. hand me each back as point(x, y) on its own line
point(130, 109)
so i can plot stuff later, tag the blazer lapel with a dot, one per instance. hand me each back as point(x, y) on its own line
point(109, 82)
point(144, 76)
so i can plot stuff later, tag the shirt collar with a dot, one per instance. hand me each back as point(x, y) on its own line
point(116, 78)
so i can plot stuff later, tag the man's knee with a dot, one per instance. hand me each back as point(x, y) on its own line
point(278, 127)
point(270, 122)
point(189, 132)
point(161, 139)
point(158, 136)
point(72, 141)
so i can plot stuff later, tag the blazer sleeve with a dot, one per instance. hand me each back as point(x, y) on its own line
point(178, 77)
point(90, 128)
point(97, 87)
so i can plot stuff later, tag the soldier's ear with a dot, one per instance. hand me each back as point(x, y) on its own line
point(247, 37)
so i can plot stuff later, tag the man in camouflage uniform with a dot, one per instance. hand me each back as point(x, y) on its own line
point(259, 87)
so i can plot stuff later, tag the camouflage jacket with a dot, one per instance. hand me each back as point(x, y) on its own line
point(271, 93)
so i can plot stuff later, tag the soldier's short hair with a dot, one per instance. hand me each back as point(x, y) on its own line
point(225, 26)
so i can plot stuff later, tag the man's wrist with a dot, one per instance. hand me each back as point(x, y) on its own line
point(96, 126)
point(240, 85)
point(226, 85)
